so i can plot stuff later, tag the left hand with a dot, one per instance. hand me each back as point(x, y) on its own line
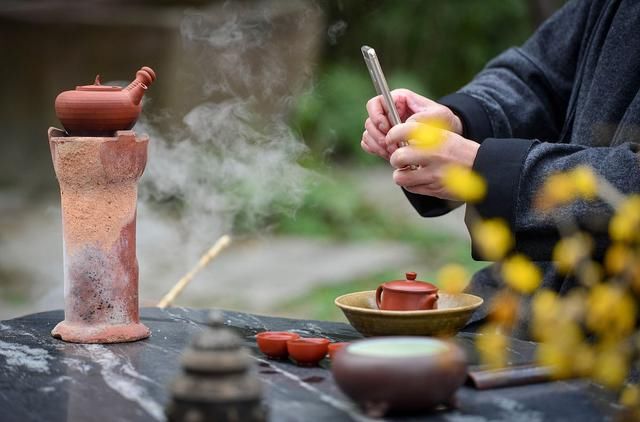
point(427, 177)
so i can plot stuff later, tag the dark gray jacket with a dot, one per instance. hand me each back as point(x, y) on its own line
point(568, 96)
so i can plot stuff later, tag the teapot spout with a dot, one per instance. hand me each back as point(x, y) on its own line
point(144, 78)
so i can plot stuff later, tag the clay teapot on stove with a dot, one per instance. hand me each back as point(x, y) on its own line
point(407, 295)
point(101, 110)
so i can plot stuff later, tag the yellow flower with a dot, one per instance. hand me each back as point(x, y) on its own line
point(492, 346)
point(545, 302)
point(504, 309)
point(521, 274)
point(624, 225)
point(429, 134)
point(464, 183)
point(618, 258)
point(611, 311)
point(569, 251)
point(611, 368)
point(493, 237)
point(633, 276)
point(589, 273)
point(453, 278)
point(621, 228)
point(556, 358)
point(574, 304)
point(545, 308)
point(584, 359)
point(558, 351)
point(585, 182)
point(630, 396)
point(557, 190)
point(556, 324)
point(565, 187)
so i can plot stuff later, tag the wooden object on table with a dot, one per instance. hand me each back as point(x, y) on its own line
point(168, 299)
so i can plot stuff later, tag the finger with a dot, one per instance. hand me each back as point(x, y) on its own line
point(421, 176)
point(374, 133)
point(372, 147)
point(400, 97)
point(408, 102)
point(409, 156)
point(400, 134)
point(417, 102)
point(365, 147)
point(378, 114)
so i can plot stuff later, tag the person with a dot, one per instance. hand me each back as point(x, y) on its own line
point(568, 96)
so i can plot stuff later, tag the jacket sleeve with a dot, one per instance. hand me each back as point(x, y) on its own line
point(524, 92)
point(515, 169)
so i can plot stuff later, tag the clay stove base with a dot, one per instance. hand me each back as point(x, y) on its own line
point(98, 179)
point(103, 333)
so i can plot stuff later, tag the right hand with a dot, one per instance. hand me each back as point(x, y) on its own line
point(410, 106)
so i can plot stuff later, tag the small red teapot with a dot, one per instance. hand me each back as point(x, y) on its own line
point(101, 110)
point(407, 295)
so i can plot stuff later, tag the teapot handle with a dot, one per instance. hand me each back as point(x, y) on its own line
point(379, 297)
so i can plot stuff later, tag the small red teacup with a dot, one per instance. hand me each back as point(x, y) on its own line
point(274, 343)
point(308, 351)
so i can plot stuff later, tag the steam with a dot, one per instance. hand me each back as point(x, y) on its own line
point(233, 161)
point(222, 170)
point(336, 30)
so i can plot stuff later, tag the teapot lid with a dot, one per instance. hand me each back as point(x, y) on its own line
point(410, 285)
point(98, 87)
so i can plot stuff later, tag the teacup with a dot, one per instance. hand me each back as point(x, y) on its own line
point(407, 295)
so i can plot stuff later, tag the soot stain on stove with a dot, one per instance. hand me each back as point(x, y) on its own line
point(313, 379)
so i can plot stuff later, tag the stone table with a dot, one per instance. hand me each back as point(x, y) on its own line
point(44, 379)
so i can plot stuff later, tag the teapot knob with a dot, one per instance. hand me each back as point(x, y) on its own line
point(411, 276)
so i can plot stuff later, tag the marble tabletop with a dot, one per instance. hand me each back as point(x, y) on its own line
point(44, 379)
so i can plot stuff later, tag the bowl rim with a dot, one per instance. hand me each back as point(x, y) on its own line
point(370, 311)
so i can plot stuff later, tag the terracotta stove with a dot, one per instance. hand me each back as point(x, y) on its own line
point(98, 162)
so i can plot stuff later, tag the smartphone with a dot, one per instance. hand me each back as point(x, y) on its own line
point(380, 83)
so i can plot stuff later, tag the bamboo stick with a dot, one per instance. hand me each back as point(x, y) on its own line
point(168, 299)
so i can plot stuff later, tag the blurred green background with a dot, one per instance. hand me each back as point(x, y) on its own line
point(432, 47)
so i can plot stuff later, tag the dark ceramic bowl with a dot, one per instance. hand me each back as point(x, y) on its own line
point(405, 374)
point(308, 351)
point(334, 347)
point(274, 343)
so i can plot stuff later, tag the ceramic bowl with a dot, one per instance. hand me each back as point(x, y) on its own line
point(399, 373)
point(454, 310)
point(334, 347)
point(308, 351)
point(274, 343)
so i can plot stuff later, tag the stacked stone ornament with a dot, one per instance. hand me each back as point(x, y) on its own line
point(218, 382)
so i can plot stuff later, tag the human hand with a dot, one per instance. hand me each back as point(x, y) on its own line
point(422, 169)
point(409, 104)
